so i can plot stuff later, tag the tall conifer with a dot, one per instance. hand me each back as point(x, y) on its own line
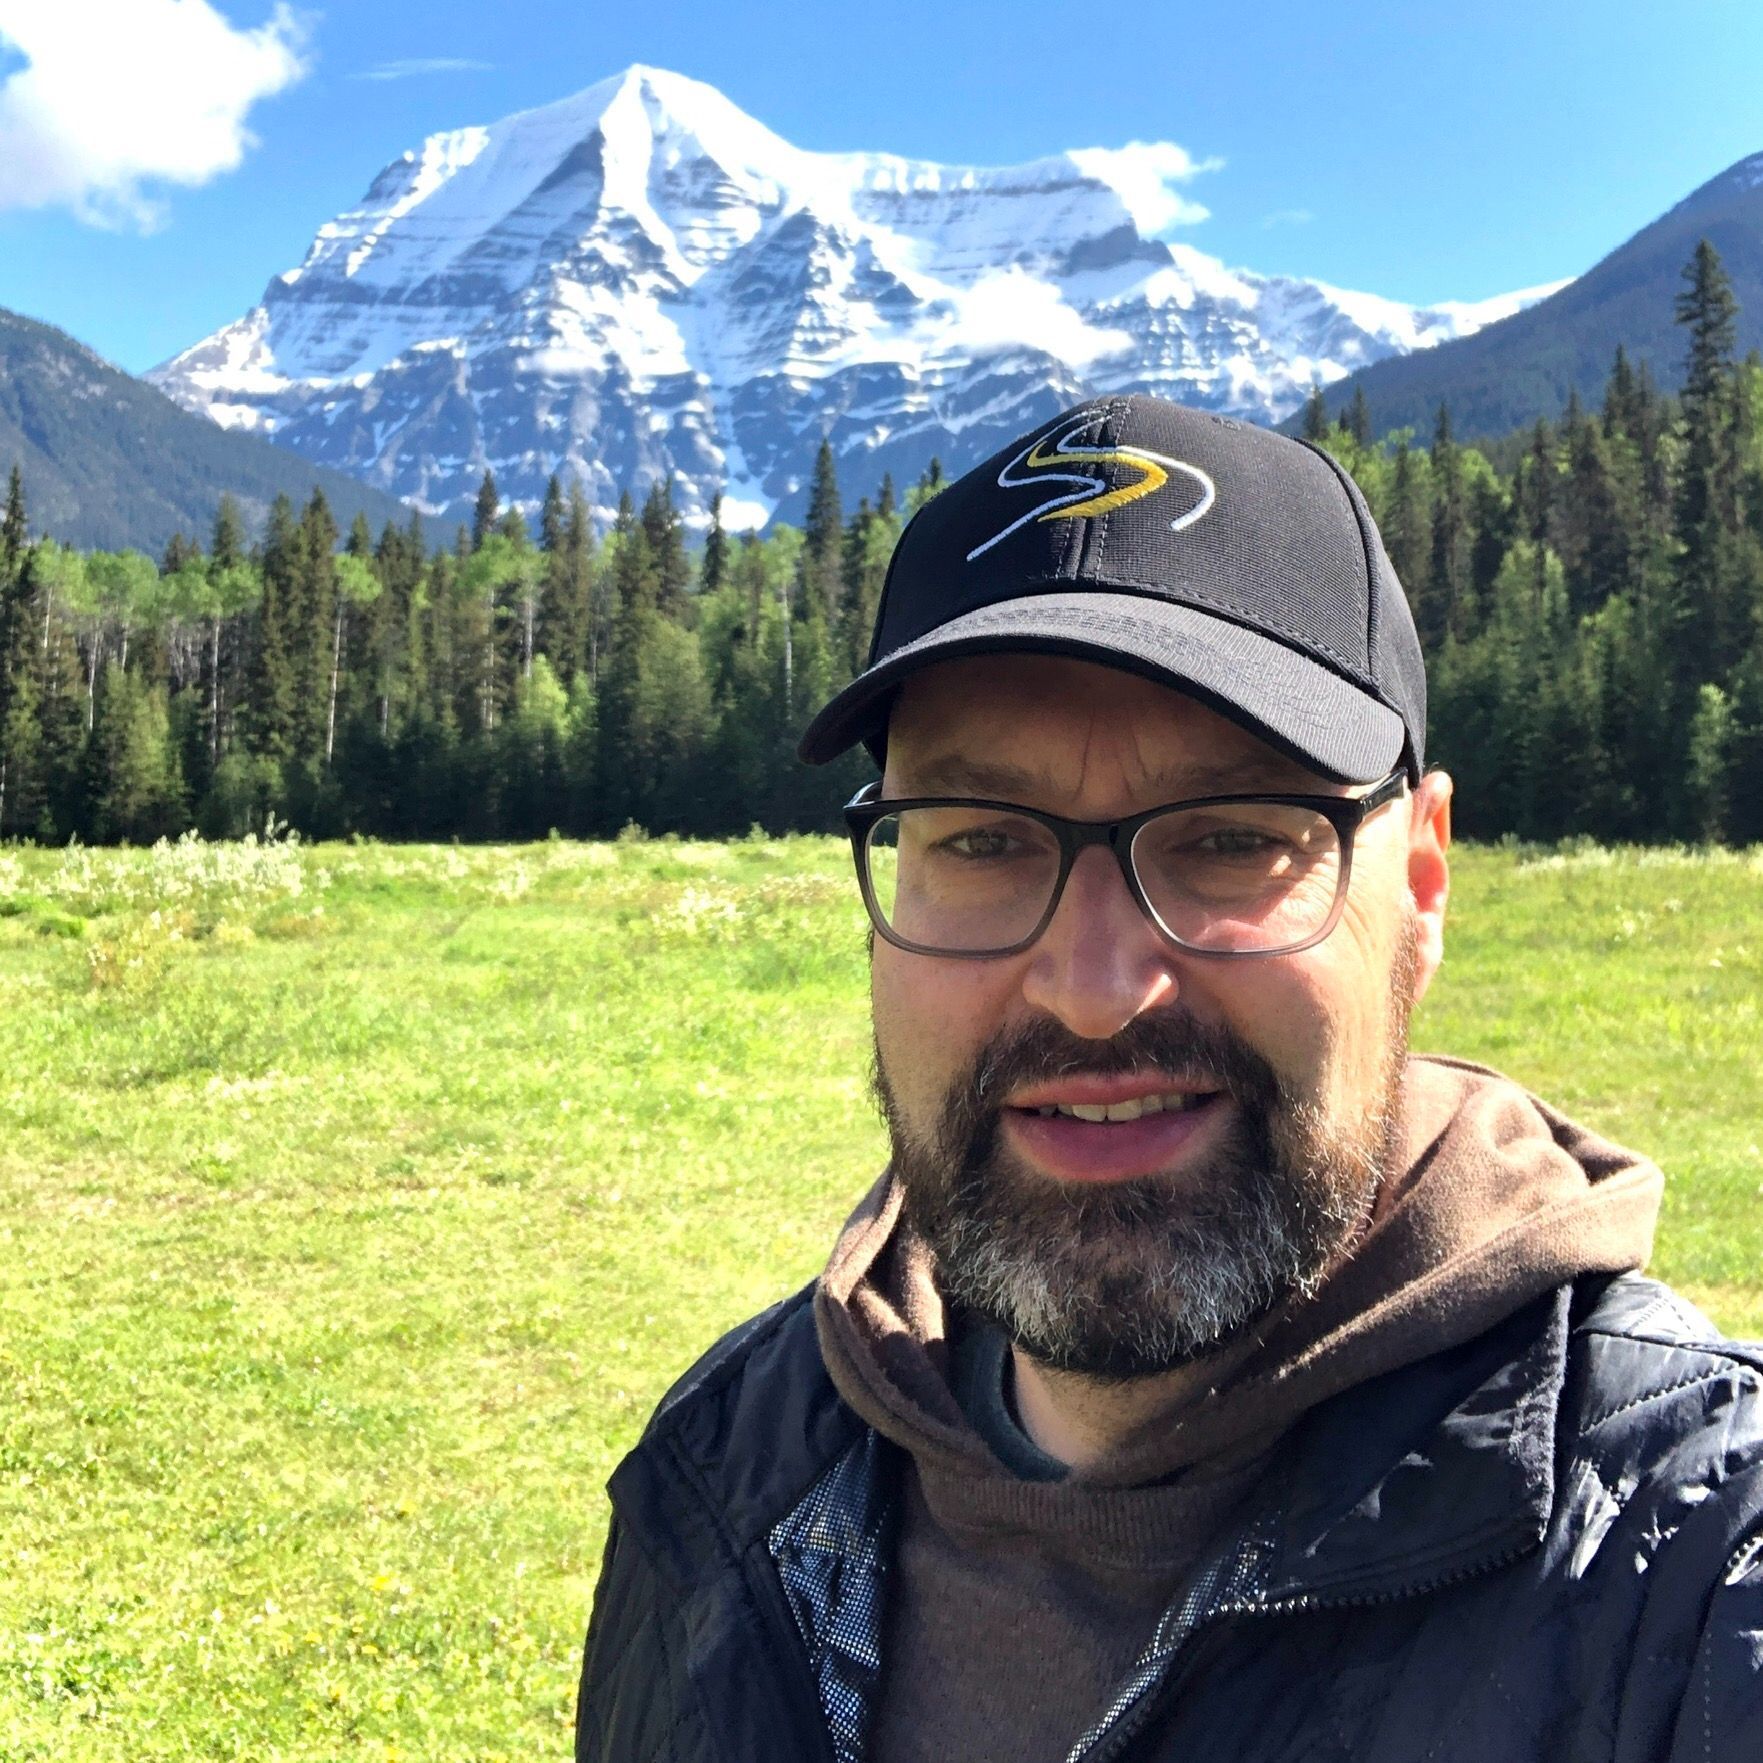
point(486, 511)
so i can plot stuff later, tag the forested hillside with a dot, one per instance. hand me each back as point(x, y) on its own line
point(1590, 596)
point(1532, 363)
point(110, 461)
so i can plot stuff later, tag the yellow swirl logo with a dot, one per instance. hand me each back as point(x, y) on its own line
point(1038, 466)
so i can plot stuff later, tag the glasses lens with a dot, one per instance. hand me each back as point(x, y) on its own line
point(1240, 876)
point(961, 880)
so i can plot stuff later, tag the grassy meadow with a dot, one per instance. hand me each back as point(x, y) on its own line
point(356, 1203)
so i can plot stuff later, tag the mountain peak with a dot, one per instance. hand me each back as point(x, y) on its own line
point(640, 280)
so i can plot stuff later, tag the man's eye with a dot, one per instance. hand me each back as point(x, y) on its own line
point(1237, 841)
point(980, 843)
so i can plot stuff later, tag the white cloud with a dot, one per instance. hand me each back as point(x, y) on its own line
point(1288, 217)
point(406, 70)
point(119, 95)
point(741, 514)
point(1010, 309)
point(1144, 175)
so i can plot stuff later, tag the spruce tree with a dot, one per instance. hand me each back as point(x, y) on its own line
point(14, 529)
point(817, 586)
point(1315, 415)
point(318, 630)
point(13, 532)
point(24, 785)
point(228, 545)
point(487, 510)
point(1706, 512)
point(869, 545)
point(713, 570)
point(551, 517)
point(664, 537)
point(588, 589)
point(180, 549)
point(1406, 526)
point(1359, 418)
point(1590, 530)
point(135, 782)
point(557, 636)
point(273, 686)
point(1443, 604)
point(1619, 397)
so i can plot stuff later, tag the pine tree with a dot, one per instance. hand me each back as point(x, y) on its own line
point(180, 549)
point(134, 780)
point(930, 483)
point(714, 569)
point(634, 595)
point(1359, 418)
point(13, 534)
point(23, 773)
point(1619, 397)
point(273, 685)
point(588, 589)
point(869, 545)
point(14, 530)
point(1706, 513)
point(1406, 527)
point(487, 510)
point(1590, 531)
point(551, 517)
point(817, 586)
point(1535, 487)
point(228, 544)
point(558, 635)
point(1315, 415)
point(1443, 605)
point(317, 630)
point(24, 793)
point(665, 536)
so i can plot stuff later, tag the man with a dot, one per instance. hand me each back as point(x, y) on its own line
point(1205, 1378)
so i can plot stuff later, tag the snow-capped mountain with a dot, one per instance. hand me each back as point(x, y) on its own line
point(642, 279)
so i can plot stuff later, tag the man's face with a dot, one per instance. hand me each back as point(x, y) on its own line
point(1124, 1247)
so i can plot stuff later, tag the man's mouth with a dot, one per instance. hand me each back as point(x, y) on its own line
point(1102, 1129)
point(1173, 1102)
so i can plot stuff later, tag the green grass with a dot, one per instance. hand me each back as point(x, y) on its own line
point(355, 1209)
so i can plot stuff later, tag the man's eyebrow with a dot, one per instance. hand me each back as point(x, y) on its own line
point(960, 774)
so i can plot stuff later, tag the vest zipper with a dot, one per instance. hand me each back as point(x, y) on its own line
point(1110, 1744)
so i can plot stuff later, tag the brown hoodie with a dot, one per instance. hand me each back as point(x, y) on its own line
point(1016, 1606)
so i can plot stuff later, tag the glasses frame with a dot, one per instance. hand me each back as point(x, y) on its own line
point(1345, 813)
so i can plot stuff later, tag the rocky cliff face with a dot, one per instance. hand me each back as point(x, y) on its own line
point(641, 279)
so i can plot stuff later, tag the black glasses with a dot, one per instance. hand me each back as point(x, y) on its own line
point(1221, 875)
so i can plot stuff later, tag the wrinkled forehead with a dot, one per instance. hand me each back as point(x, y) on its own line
point(1052, 731)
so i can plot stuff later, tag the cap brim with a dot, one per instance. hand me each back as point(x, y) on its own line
point(1290, 701)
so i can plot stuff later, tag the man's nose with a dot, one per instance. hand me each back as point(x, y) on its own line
point(1101, 962)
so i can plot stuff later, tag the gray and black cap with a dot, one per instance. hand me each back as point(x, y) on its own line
point(1234, 564)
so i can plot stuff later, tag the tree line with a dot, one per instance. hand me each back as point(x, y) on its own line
point(1589, 596)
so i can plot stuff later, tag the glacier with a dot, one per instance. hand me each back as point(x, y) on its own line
point(642, 281)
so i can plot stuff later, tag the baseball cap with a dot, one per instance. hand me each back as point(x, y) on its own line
point(1235, 564)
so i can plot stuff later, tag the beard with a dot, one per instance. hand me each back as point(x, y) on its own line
point(1131, 1278)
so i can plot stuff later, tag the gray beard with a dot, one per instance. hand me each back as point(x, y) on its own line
point(1133, 1278)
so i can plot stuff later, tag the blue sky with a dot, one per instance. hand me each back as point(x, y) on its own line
point(1415, 152)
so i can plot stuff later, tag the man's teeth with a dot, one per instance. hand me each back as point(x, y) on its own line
point(1173, 1103)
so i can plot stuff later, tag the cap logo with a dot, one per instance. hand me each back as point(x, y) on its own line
point(1033, 468)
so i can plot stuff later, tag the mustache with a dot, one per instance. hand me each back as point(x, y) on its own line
point(1167, 1043)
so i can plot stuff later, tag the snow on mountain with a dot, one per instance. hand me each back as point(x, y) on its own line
point(642, 279)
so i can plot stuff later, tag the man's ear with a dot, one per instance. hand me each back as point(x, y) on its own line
point(1429, 872)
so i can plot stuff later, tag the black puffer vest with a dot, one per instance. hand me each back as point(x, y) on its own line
point(1544, 1545)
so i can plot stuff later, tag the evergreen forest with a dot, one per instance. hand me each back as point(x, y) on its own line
point(1589, 595)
